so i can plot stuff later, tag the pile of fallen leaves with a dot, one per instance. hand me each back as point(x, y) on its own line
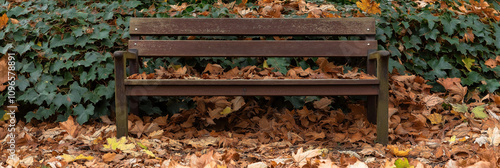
point(326, 70)
point(426, 130)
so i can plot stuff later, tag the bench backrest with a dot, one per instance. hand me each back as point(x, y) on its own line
point(363, 27)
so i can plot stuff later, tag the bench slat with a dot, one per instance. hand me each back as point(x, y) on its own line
point(249, 26)
point(279, 82)
point(252, 48)
point(251, 90)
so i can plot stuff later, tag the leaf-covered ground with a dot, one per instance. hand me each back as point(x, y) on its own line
point(426, 130)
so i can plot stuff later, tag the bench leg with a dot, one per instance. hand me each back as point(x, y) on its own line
point(371, 109)
point(120, 97)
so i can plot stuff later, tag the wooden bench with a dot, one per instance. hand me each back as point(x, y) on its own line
point(375, 89)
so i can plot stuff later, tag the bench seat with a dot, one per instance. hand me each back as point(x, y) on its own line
point(250, 87)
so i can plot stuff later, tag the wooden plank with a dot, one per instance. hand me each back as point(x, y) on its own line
point(120, 97)
point(248, 26)
point(248, 48)
point(383, 100)
point(251, 90)
point(270, 82)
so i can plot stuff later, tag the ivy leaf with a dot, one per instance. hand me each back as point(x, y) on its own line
point(22, 83)
point(438, 67)
point(297, 101)
point(490, 84)
point(280, 63)
point(132, 4)
point(60, 99)
point(5, 48)
point(21, 49)
point(43, 113)
point(56, 41)
point(468, 62)
point(83, 113)
point(76, 92)
point(479, 112)
point(449, 25)
point(472, 77)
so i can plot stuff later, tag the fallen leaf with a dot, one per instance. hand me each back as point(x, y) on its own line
point(113, 144)
point(3, 68)
point(479, 112)
point(257, 165)
point(453, 86)
point(301, 157)
point(322, 104)
point(238, 102)
point(494, 136)
point(435, 118)
point(358, 164)
point(3, 21)
point(108, 157)
point(397, 152)
point(70, 126)
point(369, 6)
point(71, 158)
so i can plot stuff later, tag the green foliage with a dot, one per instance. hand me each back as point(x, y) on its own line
point(65, 65)
point(431, 41)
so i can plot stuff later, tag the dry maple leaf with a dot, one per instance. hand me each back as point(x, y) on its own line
point(3, 21)
point(138, 128)
point(396, 152)
point(3, 69)
point(301, 157)
point(70, 126)
point(369, 6)
point(453, 86)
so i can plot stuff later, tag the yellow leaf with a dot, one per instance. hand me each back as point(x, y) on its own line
point(121, 144)
point(265, 64)
point(3, 21)
point(369, 6)
point(435, 118)
point(70, 158)
point(149, 153)
point(396, 152)
point(5, 117)
point(226, 111)
point(39, 43)
point(221, 166)
point(453, 139)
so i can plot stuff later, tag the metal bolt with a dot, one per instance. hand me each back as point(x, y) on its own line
point(366, 29)
point(135, 29)
point(368, 44)
point(135, 44)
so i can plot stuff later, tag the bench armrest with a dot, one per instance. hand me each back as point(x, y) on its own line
point(379, 54)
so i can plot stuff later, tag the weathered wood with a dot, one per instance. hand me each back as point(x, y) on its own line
point(120, 98)
point(245, 26)
point(248, 48)
point(371, 101)
point(383, 98)
point(134, 65)
point(264, 82)
point(251, 90)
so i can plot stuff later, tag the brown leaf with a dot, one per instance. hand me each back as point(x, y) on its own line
point(469, 36)
point(453, 86)
point(435, 118)
point(213, 69)
point(161, 121)
point(237, 102)
point(108, 157)
point(315, 136)
point(492, 63)
point(322, 104)
point(4, 69)
point(3, 21)
point(138, 128)
point(70, 126)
